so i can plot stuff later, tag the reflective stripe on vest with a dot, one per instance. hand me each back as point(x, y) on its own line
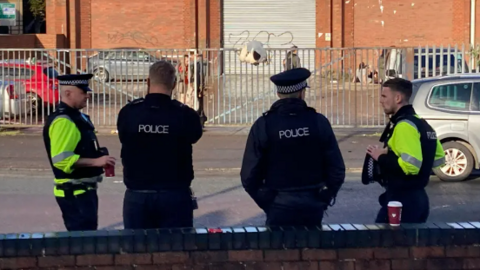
point(90, 180)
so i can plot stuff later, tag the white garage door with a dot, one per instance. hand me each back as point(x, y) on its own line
point(276, 23)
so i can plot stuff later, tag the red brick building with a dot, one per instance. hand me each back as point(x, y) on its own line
point(200, 24)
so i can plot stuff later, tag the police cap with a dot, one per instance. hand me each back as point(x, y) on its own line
point(291, 81)
point(78, 80)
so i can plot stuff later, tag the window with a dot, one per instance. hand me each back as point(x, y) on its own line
point(451, 96)
point(50, 72)
point(15, 73)
point(441, 63)
point(476, 97)
point(136, 56)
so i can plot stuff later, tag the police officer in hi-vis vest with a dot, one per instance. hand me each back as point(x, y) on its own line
point(292, 165)
point(411, 150)
point(76, 159)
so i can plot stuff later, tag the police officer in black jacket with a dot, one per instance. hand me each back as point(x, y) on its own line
point(157, 134)
point(292, 165)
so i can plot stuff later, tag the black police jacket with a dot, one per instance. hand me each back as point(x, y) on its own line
point(292, 147)
point(393, 177)
point(88, 146)
point(157, 134)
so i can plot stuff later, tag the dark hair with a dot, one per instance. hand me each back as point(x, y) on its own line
point(400, 85)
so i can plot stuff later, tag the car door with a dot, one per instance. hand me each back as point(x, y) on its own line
point(115, 63)
point(131, 60)
point(145, 60)
point(474, 119)
point(447, 108)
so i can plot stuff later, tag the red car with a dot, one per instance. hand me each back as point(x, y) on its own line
point(38, 80)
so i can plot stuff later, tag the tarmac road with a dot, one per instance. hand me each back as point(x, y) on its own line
point(27, 203)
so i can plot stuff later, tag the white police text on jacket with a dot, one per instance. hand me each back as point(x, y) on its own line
point(294, 133)
point(156, 129)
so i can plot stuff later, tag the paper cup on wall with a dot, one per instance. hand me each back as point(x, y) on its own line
point(395, 213)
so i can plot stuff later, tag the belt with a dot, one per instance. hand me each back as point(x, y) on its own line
point(314, 188)
point(158, 190)
point(71, 186)
point(89, 180)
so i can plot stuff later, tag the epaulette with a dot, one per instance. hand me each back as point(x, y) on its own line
point(311, 109)
point(180, 104)
point(136, 101)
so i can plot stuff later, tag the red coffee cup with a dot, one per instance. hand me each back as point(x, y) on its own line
point(395, 213)
point(109, 171)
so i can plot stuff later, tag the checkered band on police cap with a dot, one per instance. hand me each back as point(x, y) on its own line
point(74, 82)
point(291, 88)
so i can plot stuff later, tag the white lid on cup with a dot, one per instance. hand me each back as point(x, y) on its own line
point(395, 204)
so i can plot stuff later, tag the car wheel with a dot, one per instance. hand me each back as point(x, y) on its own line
point(34, 103)
point(101, 74)
point(459, 163)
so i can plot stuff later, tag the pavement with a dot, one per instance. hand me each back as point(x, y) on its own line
point(27, 203)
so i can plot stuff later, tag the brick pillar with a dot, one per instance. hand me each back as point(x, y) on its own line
point(85, 24)
point(202, 23)
point(189, 16)
point(349, 20)
point(215, 23)
point(337, 23)
point(323, 21)
point(50, 16)
point(59, 17)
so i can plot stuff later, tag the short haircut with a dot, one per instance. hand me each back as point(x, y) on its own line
point(292, 95)
point(400, 85)
point(162, 73)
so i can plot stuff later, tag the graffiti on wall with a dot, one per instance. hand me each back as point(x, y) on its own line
point(137, 37)
point(267, 38)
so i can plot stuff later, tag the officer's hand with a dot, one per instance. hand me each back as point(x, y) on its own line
point(105, 160)
point(375, 151)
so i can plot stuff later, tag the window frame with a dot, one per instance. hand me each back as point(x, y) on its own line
point(432, 107)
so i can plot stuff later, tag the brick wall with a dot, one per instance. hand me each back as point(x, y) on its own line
point(411, 23)
point(192, 23)
point(349, 247)
point(143, 23)
point(32, 41)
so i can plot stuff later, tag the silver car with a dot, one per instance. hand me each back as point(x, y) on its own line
point(451, 104)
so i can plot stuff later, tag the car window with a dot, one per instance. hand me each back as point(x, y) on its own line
point(50, 72)
point(451, 96)
point(137, 56)
point(115, 55)
point(476, 97)
point(16, 73)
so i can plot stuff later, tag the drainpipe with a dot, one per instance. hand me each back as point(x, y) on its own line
point(472, 31)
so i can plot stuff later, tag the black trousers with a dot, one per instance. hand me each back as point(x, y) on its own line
point(80, 212)
point(295, 209)
point(415, 209)
point(159, 209)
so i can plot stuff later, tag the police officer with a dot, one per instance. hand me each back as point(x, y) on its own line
point(74, 154)
point(411, 149)
point(292, 166)
point(157, 134)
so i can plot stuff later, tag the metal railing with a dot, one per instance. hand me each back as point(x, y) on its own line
point(344, 86)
